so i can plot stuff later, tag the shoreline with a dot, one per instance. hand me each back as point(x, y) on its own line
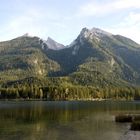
point(21, 99)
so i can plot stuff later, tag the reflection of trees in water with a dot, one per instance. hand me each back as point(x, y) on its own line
point(62, 112)
point(33, 119)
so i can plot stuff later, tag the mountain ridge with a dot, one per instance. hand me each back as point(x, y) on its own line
point(94, 58)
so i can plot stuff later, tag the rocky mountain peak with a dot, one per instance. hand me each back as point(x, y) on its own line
point(53, 44)
point(94, 32)
point(98, 32)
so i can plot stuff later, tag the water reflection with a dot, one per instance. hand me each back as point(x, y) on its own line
point(40, 120)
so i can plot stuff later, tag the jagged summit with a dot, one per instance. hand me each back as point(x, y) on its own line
point(94, 32)
point(53, 44)
point(100, 31)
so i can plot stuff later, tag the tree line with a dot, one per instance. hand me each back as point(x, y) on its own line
point(69, 93)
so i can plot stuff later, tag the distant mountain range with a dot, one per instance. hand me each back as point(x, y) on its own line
point(94, 58)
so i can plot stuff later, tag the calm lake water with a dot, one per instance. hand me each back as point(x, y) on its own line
point(43, 120)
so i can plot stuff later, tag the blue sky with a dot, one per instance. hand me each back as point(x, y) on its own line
point(63, 20)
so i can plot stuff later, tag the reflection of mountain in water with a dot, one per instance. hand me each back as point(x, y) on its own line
point(58, 120)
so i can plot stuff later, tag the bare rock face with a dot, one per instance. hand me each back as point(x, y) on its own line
point(53, 44)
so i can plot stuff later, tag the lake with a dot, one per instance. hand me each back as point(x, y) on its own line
point(64, 120)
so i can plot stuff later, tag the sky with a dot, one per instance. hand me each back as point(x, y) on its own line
point(63, 20)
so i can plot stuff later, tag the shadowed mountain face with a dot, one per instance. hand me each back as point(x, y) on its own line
point(95, 57)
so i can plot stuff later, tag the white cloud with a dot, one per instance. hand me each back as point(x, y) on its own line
point(129, 27)
point(123, 4)
point(94, 8)
point(29, 21)
point(132, 19)
point(36, 22)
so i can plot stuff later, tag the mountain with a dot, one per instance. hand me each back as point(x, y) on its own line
point(24, 57)
point(94, 58)
point(97, 57)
